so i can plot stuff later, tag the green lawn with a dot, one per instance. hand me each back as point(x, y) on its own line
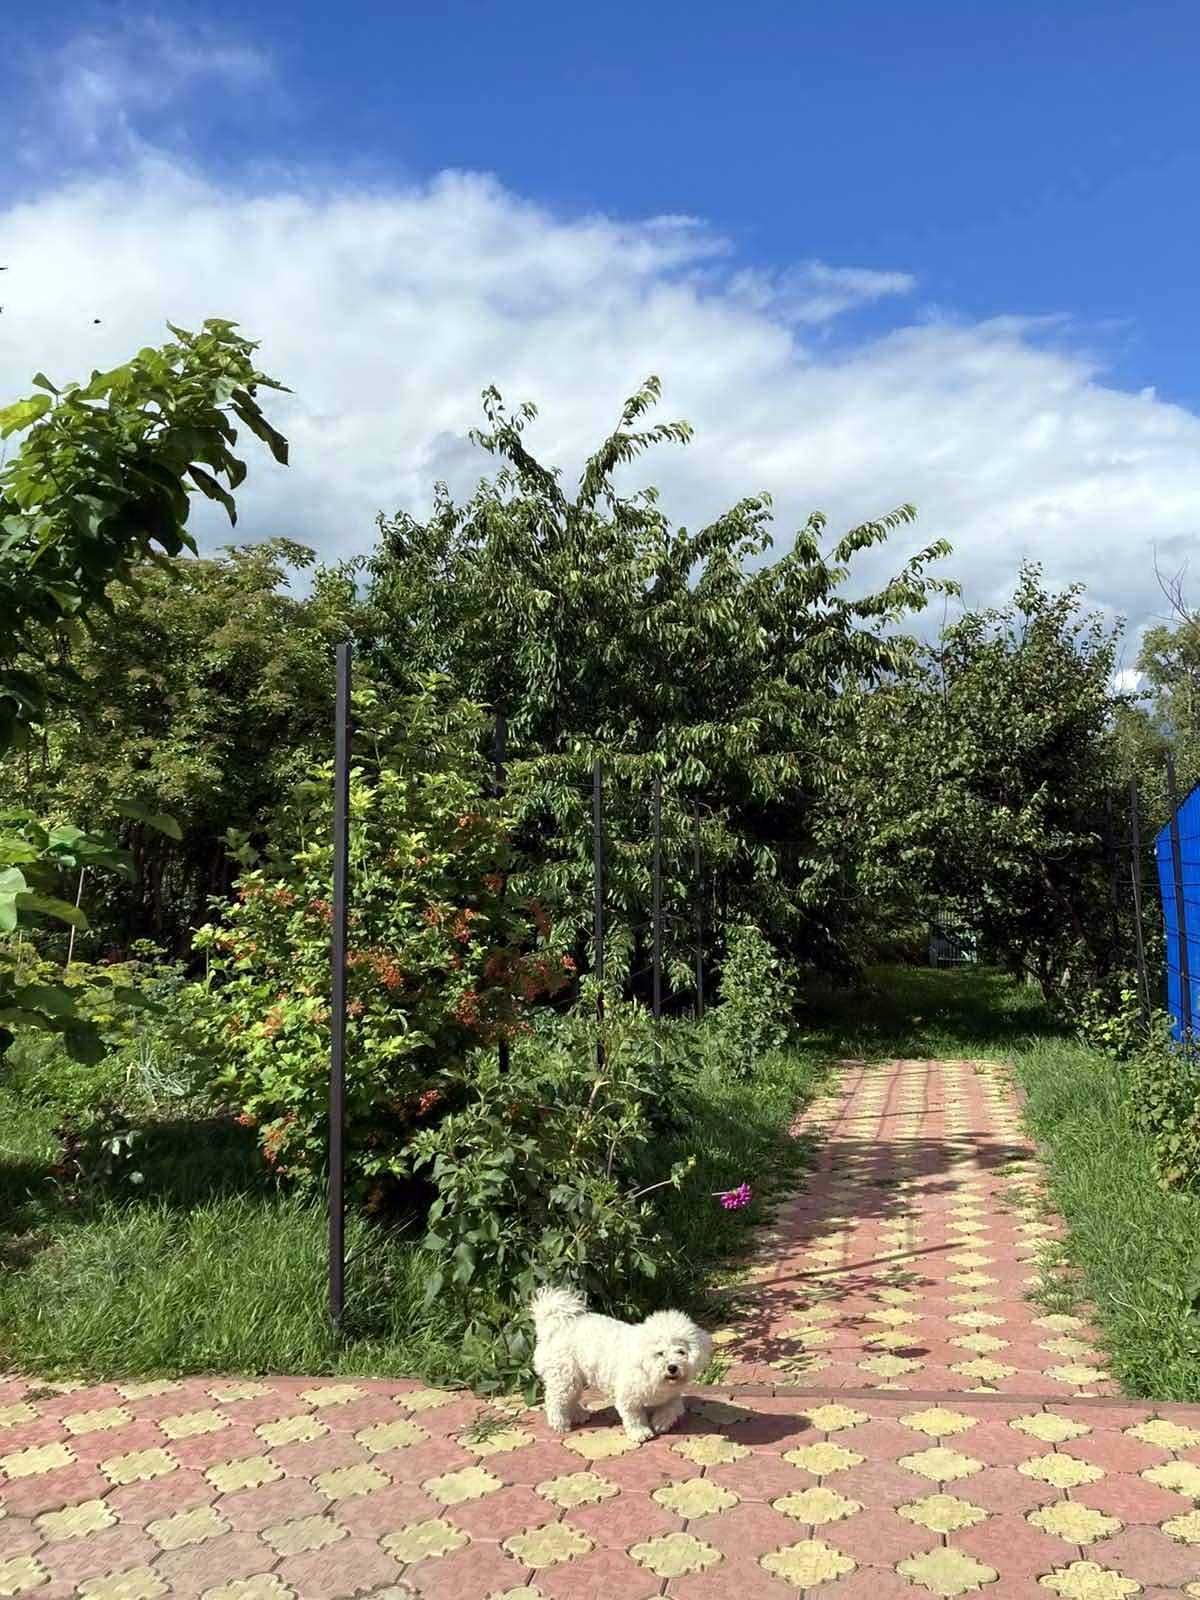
point(208, 1266)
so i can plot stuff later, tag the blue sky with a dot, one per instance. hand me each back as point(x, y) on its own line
point(971, 229)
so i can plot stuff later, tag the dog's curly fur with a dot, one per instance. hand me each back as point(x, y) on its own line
point(641, 1366)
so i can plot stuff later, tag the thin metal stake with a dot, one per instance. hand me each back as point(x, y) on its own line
point(499, 743)
point(1136, 870)
point(337, 1048)
point(598, 932)
point(699, 919)
point(1185, 978)
point(657, 906)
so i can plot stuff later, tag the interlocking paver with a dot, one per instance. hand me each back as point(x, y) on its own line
point(899, 1421)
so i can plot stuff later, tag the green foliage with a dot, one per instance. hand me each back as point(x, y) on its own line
point(101, 483)
point(538, 1174)
point(984, 780)
point(440, 960)
point(1164, 1081)
point(757, 999)
point(1117, 1030)
point(596, 627)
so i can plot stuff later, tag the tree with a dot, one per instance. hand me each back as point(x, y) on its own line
point(101, 483)
point(595, 627)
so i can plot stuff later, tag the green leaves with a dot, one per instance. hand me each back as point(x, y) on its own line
point(22, 413)
point(137, 812)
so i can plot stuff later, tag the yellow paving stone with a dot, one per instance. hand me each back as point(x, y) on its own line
point(673, 1555)
point(1062, 1470)
point(470, 1483)
point(599, 1444)
point(897, 1296)
point(833, 1418)
point(263, 1586)
point(425, 1399)
point(725, 1336)
point(895, 1315)
point(1070, 1349)
point(891, 1366)
point(889, 1339)
point(1077, 1375)
point(1181, 1476)
point(343, 1482)
point(239, 1391)
point(808, 1563)
point(21, 1575)
point(722, 1412)
point(301, 1429)
point(1086, 1580)
point(36, 1459)
point(817, 1505)
point(576, 1489)
point(1077, 1524)
point(977, 1319)
point(971, 1280)
point(1059, 1322)
point(397, 1435)
point(12, 1416)
point(137, 1583)
point(948, 1571)
point(941, 1464)
point(823, 1458)
point(136, 1466)
point(981, 1343)
point(938, 1421)
point(422, 1541)
point(187, 1527)
point(502, 1442)
point(192, 1424)
point(1049, 1427)
point(696, 1497)
point(970, 1258)
point(148, 1388)
point(812, 1338)
point(547, 1547)
point(942, 1513)
point(1166, 1435)
point(96, 1421)
point(709, 1449)
point(248, 1472)
point(983, 1368)
point(301, 1534)
point(1186, 1529)
point(334, 1394)
point(75, 1522)
point(523, 1593)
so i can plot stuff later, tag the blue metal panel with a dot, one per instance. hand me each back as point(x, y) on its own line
point(1189, 842)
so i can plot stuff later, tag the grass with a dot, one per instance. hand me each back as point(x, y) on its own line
point(208, 1266)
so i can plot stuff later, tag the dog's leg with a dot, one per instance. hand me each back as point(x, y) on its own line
point(665, 1417)
point(562, 1405)
point(633, 1415)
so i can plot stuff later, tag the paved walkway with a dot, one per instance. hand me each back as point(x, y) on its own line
point(1020, 1477)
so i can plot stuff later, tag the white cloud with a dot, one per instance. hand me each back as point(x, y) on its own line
point(387, 310)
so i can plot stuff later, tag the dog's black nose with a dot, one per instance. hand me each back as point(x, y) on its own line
point(672, 1370)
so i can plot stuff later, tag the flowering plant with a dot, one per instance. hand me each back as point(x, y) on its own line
point(735, 1199)
point(440, 961)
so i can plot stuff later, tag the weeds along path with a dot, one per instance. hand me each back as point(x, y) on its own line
point(908, 1261)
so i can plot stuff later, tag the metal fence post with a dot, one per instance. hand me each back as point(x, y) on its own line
point(598, 930)
point(657, 899)
point(1135, 832)
point(337, 1008)
point(699, 916)
point(1185, 978)
point(499, 744)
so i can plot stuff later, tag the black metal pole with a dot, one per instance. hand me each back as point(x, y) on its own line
point(598, 931)
point(499, 743)
point(1185, 978)
point(699, 917)
point(1135, 832)
point(337, 1009)
point(657, 898)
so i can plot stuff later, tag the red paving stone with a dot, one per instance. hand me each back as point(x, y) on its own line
point(856, 1447)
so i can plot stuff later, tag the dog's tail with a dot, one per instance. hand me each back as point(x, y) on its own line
point(551, 1308)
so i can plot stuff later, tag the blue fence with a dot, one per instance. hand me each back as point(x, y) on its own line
point(1179, 883)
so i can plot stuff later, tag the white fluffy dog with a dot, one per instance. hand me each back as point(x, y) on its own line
point(641, 1366)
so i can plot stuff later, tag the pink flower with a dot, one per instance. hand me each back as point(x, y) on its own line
point(735, 1199)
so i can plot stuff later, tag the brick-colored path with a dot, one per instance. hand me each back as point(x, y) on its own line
point(907, 1261)
point(264, 1490)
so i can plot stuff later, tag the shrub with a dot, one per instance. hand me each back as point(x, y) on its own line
point(543, 1173)
point(1116, 1027)
point(757, 998)
point(1164, 1091)
point(441, 963)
